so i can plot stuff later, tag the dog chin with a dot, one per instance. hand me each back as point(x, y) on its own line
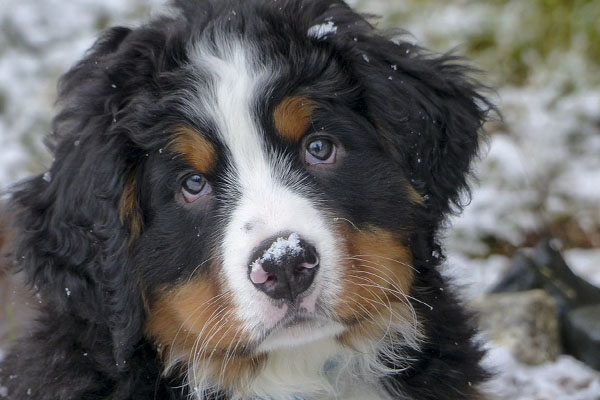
point(298, 332)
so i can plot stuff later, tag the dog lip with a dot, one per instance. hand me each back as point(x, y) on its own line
point(298, 320)
point(294, 319)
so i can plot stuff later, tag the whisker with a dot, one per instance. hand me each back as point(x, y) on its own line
point(199, 265)
point(230, 353)
point(215, 328)
point(348, 221)
point(199, 349)
point(403, 294)
point(387, 306)
point(360, 257)
point(370, 285)
point(390, 320)
point(192, 315)
point(382, 275)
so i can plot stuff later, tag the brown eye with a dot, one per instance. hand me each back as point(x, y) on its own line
point(195, 186)
point(320, 151)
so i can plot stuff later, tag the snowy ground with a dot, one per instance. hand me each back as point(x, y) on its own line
point(566, 378)
point(541, 170)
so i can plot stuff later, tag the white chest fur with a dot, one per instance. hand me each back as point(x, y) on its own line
point(321, 370)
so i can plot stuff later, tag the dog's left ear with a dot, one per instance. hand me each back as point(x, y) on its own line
point(429, 113)
point(428, 109)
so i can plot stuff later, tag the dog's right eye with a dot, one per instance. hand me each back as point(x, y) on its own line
point(195, 186)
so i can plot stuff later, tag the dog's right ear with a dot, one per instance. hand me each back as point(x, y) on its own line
point(71, 242)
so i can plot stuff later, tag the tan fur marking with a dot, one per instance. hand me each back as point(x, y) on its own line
point(196, 320)
point(414, 196)
point(292, 117)
point(129, 212)
point(363, 330)
point(198, 152)
point(192, 310)
point(378, 274)
point(374, 329)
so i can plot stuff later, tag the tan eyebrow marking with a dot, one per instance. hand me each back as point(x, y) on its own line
point(292, 117)
point(129, 212)
point(198, 152)
point(414, 195)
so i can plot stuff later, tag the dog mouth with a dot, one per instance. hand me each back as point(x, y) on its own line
point(298, 328)
point(294, 320)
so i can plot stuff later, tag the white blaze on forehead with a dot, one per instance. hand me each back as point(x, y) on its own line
point(237, 83)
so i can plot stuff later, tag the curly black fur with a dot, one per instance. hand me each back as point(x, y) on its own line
point(77, 251)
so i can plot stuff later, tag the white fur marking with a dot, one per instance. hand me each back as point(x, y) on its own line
point(264, 179)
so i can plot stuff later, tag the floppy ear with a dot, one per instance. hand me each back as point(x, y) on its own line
point(427, 109)
point(429, 114)
point(71, 241)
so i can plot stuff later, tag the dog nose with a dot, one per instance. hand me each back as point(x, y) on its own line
point(283, 266)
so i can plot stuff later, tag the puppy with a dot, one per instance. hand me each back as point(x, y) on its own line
point(245, 204)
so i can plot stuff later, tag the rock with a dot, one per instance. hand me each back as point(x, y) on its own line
point(582, 334)
point(545, 268)
point(521, 275)
point(525, 322)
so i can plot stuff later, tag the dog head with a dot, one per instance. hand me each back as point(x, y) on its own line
point(246, 177)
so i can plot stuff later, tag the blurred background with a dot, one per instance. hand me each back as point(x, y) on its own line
point(538, 177)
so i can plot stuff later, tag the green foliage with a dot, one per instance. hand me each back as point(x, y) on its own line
point(510, 37)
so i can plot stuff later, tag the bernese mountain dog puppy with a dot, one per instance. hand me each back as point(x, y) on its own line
point(245, 203)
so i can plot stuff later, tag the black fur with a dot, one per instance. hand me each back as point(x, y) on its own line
point(408, 117)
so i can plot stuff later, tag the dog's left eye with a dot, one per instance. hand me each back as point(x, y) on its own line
point(195, 186)
point(320, 151)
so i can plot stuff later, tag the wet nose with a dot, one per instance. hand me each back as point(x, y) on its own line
point(283, 266)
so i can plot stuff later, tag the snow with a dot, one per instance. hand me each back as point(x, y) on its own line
point(39, 40)
point(565, 379)
point(281, 247)
point(322, 30)
point(585, 263)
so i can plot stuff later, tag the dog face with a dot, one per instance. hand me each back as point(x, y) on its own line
point(244, 179)
point(250, 200)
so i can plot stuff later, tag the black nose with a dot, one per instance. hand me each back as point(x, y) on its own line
point(283, 266)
